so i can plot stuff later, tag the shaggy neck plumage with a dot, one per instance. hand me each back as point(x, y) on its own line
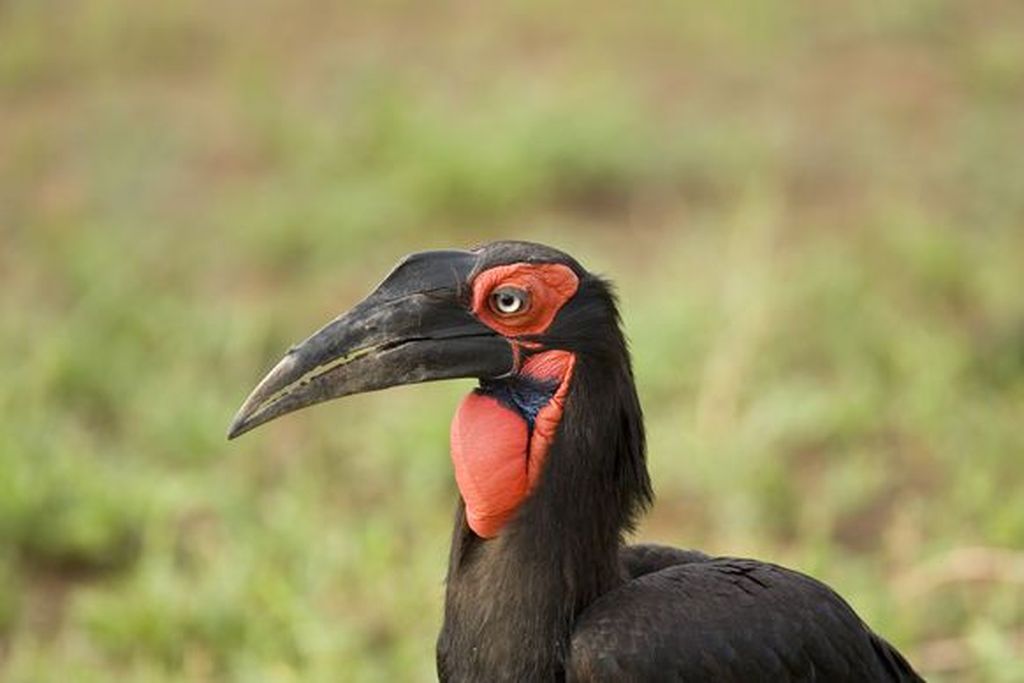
point(512, 600)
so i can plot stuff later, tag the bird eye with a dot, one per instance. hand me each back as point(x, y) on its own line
point(509, 301)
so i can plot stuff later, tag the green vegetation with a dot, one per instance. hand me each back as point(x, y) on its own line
point(815, 213)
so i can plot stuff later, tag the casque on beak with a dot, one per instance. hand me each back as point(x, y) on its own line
point(415, 327)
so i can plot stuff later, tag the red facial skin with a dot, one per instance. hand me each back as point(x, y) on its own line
point(549, 285)
point(497, 462)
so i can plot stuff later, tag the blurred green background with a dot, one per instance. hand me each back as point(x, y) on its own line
point(814, 211)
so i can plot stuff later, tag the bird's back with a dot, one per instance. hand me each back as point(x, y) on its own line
point(690, 617)
point(645, 558)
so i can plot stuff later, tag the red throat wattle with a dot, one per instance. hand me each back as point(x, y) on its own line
point(497, 460)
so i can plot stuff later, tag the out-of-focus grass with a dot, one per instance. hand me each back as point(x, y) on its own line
point(815, 213)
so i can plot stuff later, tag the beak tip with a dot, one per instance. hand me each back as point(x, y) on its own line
point(237, 428)
point(251, 414)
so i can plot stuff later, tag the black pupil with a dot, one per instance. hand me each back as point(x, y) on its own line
point(507, 300)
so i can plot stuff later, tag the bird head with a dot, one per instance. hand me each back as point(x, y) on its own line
point(515, 315)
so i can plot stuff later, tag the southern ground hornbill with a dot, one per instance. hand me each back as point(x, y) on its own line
point(549, 459)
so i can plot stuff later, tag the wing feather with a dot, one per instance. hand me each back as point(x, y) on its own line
point(727, 619)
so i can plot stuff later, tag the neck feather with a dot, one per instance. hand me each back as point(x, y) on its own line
point(512, 600)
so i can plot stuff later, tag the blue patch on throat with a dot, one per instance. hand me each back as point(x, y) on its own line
point(524, 395)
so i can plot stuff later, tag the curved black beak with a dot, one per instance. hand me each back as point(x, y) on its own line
point(415, 327)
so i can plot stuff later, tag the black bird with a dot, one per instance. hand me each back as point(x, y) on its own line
point(550, 462)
